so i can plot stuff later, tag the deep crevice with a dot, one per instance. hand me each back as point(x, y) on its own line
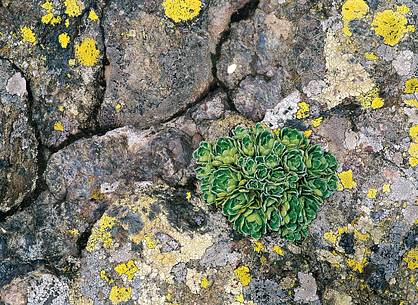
point(40, 184)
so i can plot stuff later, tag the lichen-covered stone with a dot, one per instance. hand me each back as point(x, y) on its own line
point(18, 144)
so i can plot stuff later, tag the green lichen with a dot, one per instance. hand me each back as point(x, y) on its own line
point(265, 181)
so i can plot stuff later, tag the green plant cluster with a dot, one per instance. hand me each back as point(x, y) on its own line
point(265, 181)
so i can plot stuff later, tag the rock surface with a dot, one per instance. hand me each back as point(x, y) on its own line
point(103, 102)
point(18, 144)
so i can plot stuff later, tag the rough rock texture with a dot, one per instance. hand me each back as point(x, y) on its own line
point(66, 90)
point(115, 217)
point(18, 145)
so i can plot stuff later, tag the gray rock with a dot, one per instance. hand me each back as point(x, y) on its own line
point(18, 144)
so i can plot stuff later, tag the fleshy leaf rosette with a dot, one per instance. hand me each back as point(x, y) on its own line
point(266, 182)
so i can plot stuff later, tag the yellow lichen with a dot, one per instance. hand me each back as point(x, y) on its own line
point(371, 99)
point(71, 62)
point(316, 122)
point(118, 107)
point(263, 260)
point(372, 193)
point(377, 103)
point(150, 242)
point(72, 8)
point(129, 269)
point(74, 232)
point(93, 16)
point(331, 237)
point(392, 25)
point(411, 258)
point(361, 236)
point(358, 265)
point(411, 86)
point(307, 133)
point(28, 35)
point(103, 275)
point(243, 275)
point(352, 10)
point(413, 133)
point(87, 53)
point(64, 40)
point(58, 126)
point(49, 18)
point(303, 110)
point(386, 188)
point(120, 294)
point(258, 246)
point(47, 5)
point(205, 283)
point(182, 10)
point(346, 178)
point(188, 196)
point(240, 298)
point(101, 233)
point(413, 154)
point(371, 56)
point(278, 250)
point(67, 23)
point(412, 102)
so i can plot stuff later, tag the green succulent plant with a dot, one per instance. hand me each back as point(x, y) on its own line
point(263, 181)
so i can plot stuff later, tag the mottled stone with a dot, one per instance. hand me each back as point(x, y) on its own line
point(18, 144)
point(63, 89)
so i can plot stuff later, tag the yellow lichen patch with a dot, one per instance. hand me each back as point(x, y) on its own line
point(188, 196)
point(71, 62)
point(240, 298)
point(49, 18)
point(120, 294)
point(411, 86)
point(103, 275)
point(307, 133)
point(386, 188)
point(258, 246)
point(358, 265)
point(263, 260)
point(182, 10)
point(352, 10)
point(411, 258)
point(58, 126)
point(87, 53)
point(150, 242)
point(346, 178)
point(371, 99)
point(64, 40)
point(412, 102)
point(413, 154)
point(413, 133)
point(67, 23)
point(278, 250)
point(303, 110)
point(316, 122)
point(371, 56)
point(129, 269)
point(74, 232)
point(101, 233)
point(93, 16)
point(61, 108)
point(205, 283)
point(28, 35)
point(72, 8)
point(361, 236)
point(118, 107)
point(331, 237)
point(47, 5)
point(372, 193)
point(243, 275)
point(392, 25)
point(377, 103)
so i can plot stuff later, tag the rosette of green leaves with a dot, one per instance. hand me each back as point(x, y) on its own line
point(266, 181)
